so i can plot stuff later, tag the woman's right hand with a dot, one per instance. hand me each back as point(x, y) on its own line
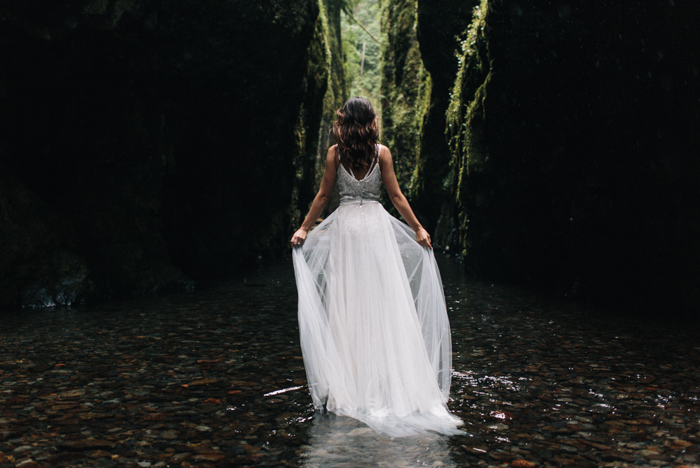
point(298, 238)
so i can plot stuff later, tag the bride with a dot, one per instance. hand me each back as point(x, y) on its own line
point(372, 318)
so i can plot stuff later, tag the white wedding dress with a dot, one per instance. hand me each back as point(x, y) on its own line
point(374, 329)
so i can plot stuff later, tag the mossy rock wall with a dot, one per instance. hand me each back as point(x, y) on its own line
point(440, 26)
point(336, 95)
point(144, 143)
point(405, 89)
point(574, 141)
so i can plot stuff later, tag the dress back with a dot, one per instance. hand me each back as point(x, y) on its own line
point(354, 190)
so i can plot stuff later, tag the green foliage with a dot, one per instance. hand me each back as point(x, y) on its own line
point(362, 80)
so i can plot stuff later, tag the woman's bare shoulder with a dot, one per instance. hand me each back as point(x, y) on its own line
point(332, 156)
point(384, 153)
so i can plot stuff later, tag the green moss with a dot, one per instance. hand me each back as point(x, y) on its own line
point(318, 84)
point(333, 10)
point(465, 116)
point(406, 88)
point(336, 88)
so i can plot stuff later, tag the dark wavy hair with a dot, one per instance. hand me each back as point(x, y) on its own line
point(356, 132)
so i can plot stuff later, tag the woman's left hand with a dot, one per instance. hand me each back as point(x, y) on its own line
point(298, 238)
point(423, 238)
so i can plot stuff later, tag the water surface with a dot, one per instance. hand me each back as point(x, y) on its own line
point(215, 378)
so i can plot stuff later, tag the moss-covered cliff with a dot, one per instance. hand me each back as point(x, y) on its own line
point(559, 149)
point(574, 142)
point(144, 143)
point(337, 89)
point(405, 88)
point(439, 30)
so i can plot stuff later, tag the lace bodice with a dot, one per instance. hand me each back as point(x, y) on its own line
point(359, 191)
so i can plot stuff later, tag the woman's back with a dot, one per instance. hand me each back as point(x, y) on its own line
point(359, 190)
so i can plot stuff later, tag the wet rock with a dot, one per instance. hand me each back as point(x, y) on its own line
point(503, 415)
point(211, 457)
point(71, 394)
point(498, 427)
point(66, 457)
point(98, 454)
point(28, 464)
point(180, 457)
point(86, 444)
point(682, 443)
point(169, 434)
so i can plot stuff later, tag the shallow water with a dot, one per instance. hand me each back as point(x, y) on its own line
point(215, 378)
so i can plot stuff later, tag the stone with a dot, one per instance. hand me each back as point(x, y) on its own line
point(28, 464)
point(71, 394)
point(211, 457)
point(498, 427)
point(180, 457)
point(169, 434)
point(682, 443)
point(86, 444)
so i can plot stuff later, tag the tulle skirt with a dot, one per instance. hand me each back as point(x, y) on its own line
point(374, 329)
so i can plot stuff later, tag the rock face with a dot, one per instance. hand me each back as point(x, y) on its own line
point(574, 137)
point(405, 87)
point(146, 143)
point(336, 95)
point(572, 132)
point(431, 189)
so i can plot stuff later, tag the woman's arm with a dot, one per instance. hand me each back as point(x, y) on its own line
point(398, 199)
point(322, 197)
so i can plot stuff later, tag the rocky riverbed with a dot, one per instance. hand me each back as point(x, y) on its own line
point(216, 379)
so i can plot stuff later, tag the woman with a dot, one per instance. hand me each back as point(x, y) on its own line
point(373, 324)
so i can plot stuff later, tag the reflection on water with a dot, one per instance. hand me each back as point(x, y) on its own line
point(341, 442)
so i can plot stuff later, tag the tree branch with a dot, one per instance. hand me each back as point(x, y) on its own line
point(349, 13)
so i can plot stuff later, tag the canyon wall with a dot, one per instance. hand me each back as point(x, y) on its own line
point(144, 144)
point(573, 146)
